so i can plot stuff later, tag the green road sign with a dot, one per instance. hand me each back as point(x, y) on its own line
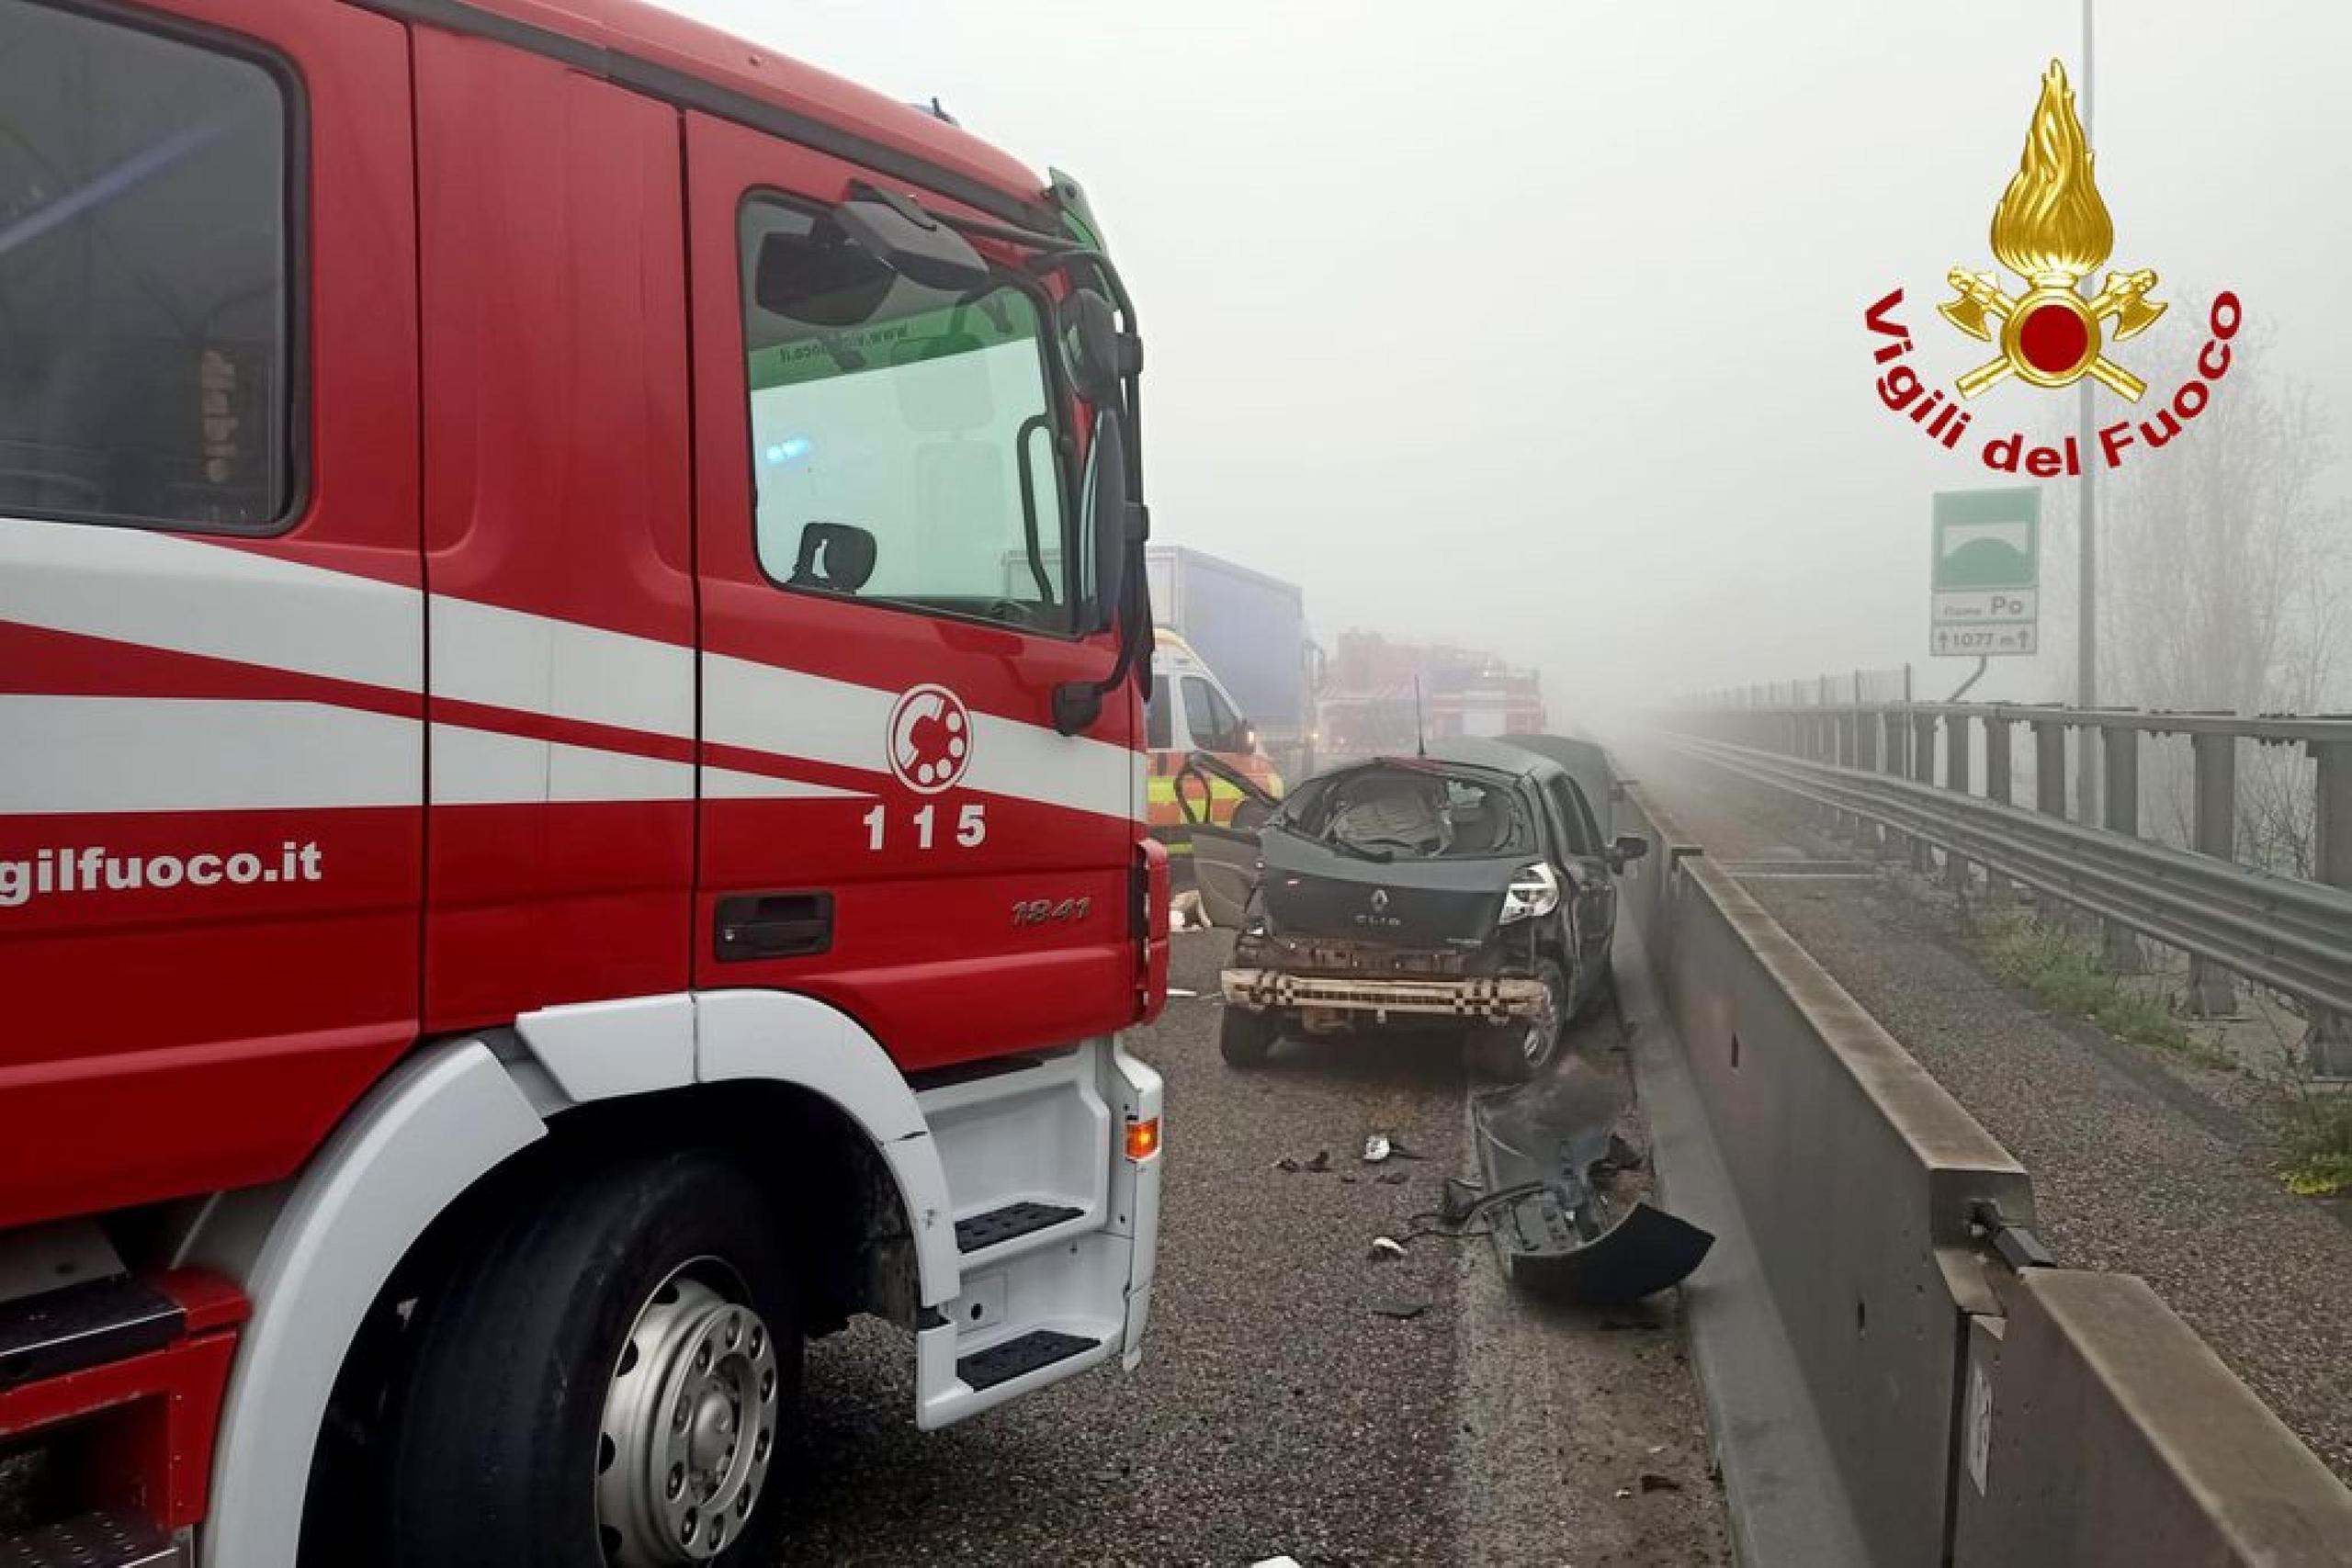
point(1986, 574)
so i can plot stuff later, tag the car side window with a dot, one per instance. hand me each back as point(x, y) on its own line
point(1155, 718)
point(1583, 836)
point(144, 292)
point(1200, 715)
point(1232, 732)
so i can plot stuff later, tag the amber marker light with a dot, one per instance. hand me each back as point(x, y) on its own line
point(1143, 1139)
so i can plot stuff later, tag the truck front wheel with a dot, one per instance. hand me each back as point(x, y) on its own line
point(605, 1379)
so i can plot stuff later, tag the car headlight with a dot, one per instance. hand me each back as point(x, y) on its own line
point(1534, 890)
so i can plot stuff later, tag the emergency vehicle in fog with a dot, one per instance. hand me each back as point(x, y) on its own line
point(540, 861)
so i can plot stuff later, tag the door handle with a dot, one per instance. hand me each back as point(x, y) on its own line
point(774, 925)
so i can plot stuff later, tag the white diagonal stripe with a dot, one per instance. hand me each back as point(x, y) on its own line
point(141, 586)
point(790, 712)
point(101, 754)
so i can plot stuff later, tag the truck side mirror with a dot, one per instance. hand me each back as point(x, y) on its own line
point(1093, 348)
point(1629, 848)
point(911, 242)
point(1114, 523)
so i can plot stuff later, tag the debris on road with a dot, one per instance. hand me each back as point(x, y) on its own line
point(1375, 1148)
point(1321, 1162)
point(1547, 1150)
point(1383, 1247)
point(1651, 1481)
point(1393, 1179)
point(1403, 1311)
point(1286, 1164)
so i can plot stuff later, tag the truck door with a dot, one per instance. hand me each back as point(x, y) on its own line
point(886, 497)
point(211, 633)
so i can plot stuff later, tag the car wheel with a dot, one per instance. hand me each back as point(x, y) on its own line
point(1521, 1048)
point(606, 1378)
point(1245, 1036)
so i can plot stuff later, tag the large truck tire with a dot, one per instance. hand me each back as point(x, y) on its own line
point(605, 1379)
point(1520, 1049)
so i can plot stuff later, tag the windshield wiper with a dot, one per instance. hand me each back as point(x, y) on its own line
point(1360, 852)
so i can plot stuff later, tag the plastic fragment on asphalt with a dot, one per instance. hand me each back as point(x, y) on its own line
point(1375, 1148)
point(1178, 993)
point(1387, 1247)
point(1624, 1492)
point(1393, 1179)
point(1284, 1561)
point(1403, 1311)
point(1285, 1162)
point(1653, 1482)
point(1321, 1162)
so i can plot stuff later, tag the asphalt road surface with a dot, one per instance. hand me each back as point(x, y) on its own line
point(1296, 1397)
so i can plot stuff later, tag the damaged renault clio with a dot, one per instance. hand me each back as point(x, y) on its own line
point(1468, 890)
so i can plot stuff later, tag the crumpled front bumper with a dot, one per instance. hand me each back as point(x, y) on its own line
point(1488, 996)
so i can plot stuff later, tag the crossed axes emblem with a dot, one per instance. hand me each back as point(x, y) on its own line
point(2124, 299)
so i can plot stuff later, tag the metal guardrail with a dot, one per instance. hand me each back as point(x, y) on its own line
point(2283, 931)
point(2295, 937)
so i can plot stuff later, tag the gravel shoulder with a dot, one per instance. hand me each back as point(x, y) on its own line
point(2135, 1167)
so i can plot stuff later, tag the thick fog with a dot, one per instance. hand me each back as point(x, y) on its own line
point(1539, 326)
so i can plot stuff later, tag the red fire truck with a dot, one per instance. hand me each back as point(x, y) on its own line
point(541, 862)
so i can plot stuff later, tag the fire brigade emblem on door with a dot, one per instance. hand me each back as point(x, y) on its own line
point(930, 739)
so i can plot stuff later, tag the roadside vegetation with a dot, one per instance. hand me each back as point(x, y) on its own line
point(2061, 967)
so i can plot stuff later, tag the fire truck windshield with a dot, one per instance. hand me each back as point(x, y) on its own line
point(923, 419)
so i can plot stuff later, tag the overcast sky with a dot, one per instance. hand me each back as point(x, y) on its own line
point(1538, 326)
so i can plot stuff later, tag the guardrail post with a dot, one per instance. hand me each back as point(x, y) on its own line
point(1923, 769)
point(1956, 780)
point(1893, 733)
point(2122, 745)
point(2050, 791)
point(2327, 1041)
point(1996, 789)
point(1866, 734)
point(2213, 991)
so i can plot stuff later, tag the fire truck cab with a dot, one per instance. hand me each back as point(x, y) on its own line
point(541, 862)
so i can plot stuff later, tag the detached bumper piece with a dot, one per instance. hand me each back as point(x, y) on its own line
point(126, 1374)
point(1491, 997)
point(1557, 1229)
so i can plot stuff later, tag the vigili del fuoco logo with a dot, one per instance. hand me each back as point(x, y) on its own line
point(2052, 230)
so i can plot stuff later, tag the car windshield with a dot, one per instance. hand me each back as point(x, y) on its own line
point(1408, 811)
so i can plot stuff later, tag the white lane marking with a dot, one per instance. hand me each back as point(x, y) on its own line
point(108, 754)
point(141, 586)
point(791, 713)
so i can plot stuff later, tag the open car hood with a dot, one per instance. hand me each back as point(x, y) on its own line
point(1309, 889)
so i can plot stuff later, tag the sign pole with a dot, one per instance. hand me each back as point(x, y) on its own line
point(2087, 790)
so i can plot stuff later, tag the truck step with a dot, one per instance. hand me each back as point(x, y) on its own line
point(102, 1539)
point(1002, 1363)
point(979, 1231)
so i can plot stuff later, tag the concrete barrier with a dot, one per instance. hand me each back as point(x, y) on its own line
point(2096, 1415)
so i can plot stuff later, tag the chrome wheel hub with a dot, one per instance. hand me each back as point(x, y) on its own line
point(690, 1424)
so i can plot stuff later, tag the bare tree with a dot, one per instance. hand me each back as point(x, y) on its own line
point(2225, 558)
